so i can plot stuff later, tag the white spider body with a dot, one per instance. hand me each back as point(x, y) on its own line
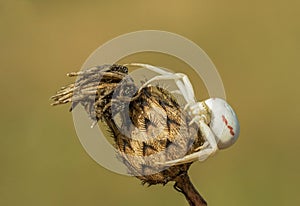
point(224, 122)
point(215, 118)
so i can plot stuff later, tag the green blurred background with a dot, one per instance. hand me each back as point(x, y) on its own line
point(255, 46)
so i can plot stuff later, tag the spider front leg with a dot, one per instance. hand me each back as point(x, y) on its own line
point(161, 77)
point(209, 148)
point(182, 81)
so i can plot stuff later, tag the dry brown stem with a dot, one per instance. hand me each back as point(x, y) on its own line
point(184, 185)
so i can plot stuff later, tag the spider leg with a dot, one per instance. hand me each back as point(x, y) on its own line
point(194, 120)
point(182, 87)
point(187, 159)
point(205, 144)
point(209, 149)
point(181, 80)
point(188, 86)
point(185, 87)
point(176, 92)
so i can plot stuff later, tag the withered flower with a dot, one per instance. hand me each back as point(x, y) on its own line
point(152, 127)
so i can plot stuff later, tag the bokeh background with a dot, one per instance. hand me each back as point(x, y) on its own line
point(255, 46)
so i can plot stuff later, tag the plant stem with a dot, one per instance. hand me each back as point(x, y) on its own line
point(184, 185)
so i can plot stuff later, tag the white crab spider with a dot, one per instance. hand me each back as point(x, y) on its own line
point(216, 119)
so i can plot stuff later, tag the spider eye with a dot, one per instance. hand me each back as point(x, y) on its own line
point(224, 122)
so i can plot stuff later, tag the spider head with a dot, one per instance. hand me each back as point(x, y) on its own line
point(224, 122)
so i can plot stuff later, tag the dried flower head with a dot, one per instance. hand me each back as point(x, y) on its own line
point(151, 128)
